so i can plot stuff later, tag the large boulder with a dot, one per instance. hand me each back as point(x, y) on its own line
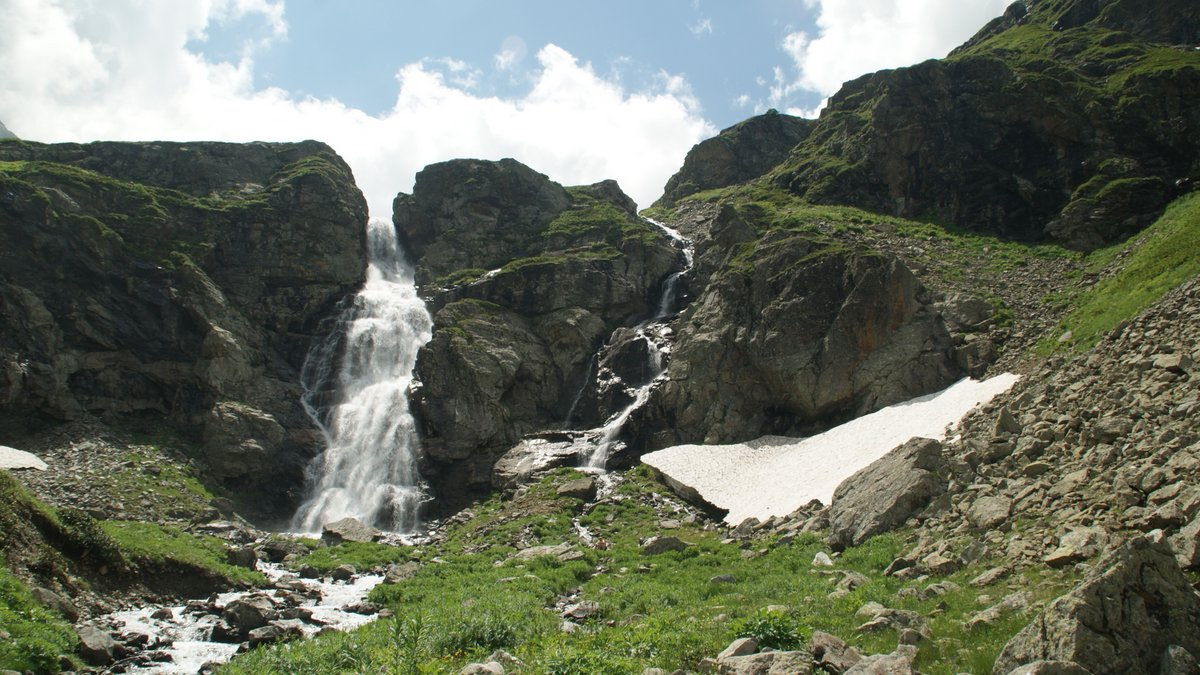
point(246, 614)
point(535, 456)
point(96, 646)
point(56, 602)
point(348, 529)
point(1129, 610)
point(240, 440)
point(882, 496)
point(767, 663)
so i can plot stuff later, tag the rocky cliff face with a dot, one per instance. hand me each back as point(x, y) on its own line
point(1067, 120)
point(740, 153)
point(526, 280)
point(791, 331)
point(152, 282)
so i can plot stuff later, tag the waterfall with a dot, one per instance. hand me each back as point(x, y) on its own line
point(657, 335)
point(368, 469)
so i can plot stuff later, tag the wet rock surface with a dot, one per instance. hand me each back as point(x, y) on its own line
point(182, 638)
point(772, 346)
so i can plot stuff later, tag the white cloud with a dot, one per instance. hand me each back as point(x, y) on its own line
point(459, 73)
point(512, 52)
point(702, 27)
point(505, 59)
point(122, 71)
point(855, 37)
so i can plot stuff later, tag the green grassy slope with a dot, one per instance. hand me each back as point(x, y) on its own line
point(472, 596)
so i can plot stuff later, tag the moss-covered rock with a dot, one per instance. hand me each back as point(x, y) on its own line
point(150, 281)
point(1004, 133)
point(526, 279)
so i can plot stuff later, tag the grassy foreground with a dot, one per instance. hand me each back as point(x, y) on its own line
point(33, 636)
point(473, 595)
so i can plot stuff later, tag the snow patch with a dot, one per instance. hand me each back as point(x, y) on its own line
point(11, 458)
point(775, 475)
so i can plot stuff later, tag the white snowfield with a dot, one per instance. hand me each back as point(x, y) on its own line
point(775, 475)
point(11, 458)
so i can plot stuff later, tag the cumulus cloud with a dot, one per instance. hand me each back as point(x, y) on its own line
point(855, 37)
point(702, 27)
point(123, 71)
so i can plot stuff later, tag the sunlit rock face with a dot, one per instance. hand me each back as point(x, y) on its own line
point(794, 333)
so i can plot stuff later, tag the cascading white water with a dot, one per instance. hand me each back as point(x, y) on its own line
point(369, 467)
point(657, 336)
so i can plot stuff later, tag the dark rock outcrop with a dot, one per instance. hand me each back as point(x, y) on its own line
point(794, 332)
point(1071, 122)
point(1173, 22)
point(474, 215)
point(151, 282)
point(740, 153)
point(1126, 615)
point(526, 280)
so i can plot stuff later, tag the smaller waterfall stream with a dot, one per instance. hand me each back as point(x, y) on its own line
point(369, 467)
point(657, 335)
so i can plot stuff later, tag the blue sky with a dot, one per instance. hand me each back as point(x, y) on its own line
point(720, 48)
point(579, 91)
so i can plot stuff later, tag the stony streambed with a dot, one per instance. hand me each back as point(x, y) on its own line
point(193, 637)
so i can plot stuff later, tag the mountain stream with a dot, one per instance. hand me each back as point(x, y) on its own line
point(656, 332)
point(186, 638)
